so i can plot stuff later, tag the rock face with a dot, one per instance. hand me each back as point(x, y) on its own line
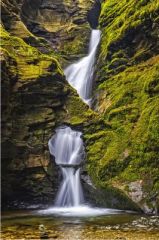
point(120, 133)
point(124, 152)
point(28, 118)
point(63, 23)
point(35, 100)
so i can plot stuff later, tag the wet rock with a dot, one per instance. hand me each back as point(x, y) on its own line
point(136, 191)
point(56, 20)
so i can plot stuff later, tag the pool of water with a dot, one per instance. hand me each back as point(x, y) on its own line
point(69, 224)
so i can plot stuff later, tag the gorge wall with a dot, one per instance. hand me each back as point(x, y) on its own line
point(124, 152)
point(35, 99)
point(120, 132)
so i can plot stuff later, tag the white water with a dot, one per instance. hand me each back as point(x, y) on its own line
point(80, 211)
point(67, 147)
point(70, 192)
point(80, 74)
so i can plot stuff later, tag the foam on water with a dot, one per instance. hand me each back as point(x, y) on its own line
point(80, 211)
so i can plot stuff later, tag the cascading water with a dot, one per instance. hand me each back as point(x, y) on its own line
point(67, 147)
point(70, 193)
point(80, 74)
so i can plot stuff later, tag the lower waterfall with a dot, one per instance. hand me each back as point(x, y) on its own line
point(67, 147)
point(70, 192)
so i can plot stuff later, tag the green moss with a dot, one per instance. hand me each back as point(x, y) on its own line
point(78, 112)
point(128, 148)
point(117, 18)
point(78, 41)
point(116, 62)
point(30, 62)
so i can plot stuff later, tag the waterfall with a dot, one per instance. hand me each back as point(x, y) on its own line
point(70, 192)
point(80, 74)
point(67, 147)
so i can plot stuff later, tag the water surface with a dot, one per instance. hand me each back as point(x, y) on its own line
point(123, 226)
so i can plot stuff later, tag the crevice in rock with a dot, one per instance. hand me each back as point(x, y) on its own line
point(93, 14)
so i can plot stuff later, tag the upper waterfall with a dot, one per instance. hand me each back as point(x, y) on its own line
point(80, 74)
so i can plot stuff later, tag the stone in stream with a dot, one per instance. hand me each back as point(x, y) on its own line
point(43, 233)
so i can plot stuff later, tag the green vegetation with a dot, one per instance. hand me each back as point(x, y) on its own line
point(78, 41)
point(30, 63)
point(78, 112)
point(133, 116)
point(119, 18)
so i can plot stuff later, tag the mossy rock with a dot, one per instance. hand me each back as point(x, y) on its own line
point(126, 97)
